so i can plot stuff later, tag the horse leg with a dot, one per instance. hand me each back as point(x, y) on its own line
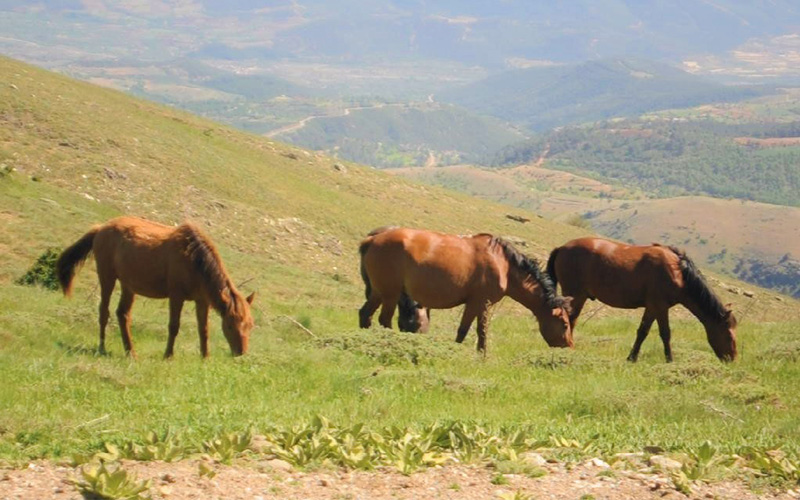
point(175, 308)
point(470, 312)
point(641, 334)
point(663, 330)
point(201, 310)
point(367, 310)
point(388, 306)
point(106, 288)
point(576, 306)
point(483, 329)
point(124, 319)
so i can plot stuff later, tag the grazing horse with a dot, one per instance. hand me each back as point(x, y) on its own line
point(442, 271)
point(655, 277)
point(157, 261)
point(411, 317)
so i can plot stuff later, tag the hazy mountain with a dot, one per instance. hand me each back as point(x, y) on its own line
point(545, 97)
point(469, 31)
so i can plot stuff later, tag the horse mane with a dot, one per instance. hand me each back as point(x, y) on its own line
point(206, 260)
point(697, 288)
point(529, 266)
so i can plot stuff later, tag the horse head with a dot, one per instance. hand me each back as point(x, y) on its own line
point(555, 326)
point(721, 335)
point(237, 323)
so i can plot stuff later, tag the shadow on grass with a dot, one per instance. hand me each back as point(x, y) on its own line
point(81, 350)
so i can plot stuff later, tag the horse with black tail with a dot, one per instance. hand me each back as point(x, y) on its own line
point(442, 271)
point(412, 316)
point(179, 263)
point(655, 277)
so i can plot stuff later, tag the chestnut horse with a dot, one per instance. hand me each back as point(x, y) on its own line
point(655, 277)
point(442, 271)
point(411, 316)
point(157, 261)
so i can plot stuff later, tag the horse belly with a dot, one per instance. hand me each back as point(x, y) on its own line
point(143, 271)
point(618, 294)
point(436, 288)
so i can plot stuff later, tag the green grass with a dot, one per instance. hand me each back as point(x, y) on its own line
point(60, 398)
point(290, 227)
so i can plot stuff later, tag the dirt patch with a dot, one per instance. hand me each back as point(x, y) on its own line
point(773, 142)
point(260, 480)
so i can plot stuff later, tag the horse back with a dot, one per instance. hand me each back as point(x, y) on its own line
point(620, 275)
point(148, 258)
point(438, 270)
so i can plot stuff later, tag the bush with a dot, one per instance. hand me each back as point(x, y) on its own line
point(43, 272)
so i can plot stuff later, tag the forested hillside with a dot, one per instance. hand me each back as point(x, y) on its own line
point(673, 157)
point(403, 135)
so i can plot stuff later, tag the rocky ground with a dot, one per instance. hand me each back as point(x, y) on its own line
point(276, 479)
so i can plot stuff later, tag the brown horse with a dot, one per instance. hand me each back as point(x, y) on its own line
point(442, 271)
point(157, 261)
point(654, 277)
point(411, 317)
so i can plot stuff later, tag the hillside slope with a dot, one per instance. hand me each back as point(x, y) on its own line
point(287, 221)
point(82, 154)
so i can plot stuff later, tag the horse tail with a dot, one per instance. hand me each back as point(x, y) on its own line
point(551, 266)
point(362, 249)
point(73, 257)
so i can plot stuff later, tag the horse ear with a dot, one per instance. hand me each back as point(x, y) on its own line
point(567, 304)
point(251, 297)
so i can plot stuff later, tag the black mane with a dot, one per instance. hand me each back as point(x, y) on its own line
point(530, 267)
point(697, 288)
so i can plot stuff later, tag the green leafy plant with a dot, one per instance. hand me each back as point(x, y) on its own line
point(98, 481)
point(205, 470)
point(226, 447)
point(774, 463)
point(167, 448)
point(43, 271)
point(705, 461)
point(499, 479)
point(681, 482)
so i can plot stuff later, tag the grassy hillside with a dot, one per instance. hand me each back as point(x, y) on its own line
point(541, 98)
point(287, 223)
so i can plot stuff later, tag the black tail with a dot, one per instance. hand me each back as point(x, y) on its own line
point(73, 257)
point(362, 249)
point(551, 266)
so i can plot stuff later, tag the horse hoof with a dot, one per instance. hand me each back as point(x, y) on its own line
point(632, 359)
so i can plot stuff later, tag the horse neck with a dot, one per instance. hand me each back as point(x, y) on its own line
point(703, 316)
point(220, 297)
point(526, 292)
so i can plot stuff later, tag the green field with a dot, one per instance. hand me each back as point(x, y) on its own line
point(287, 224)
